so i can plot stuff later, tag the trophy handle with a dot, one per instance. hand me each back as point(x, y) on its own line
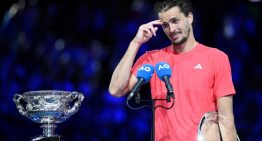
point(17, 99)
point(80, 97)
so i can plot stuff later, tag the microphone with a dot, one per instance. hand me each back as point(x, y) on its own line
point(143, 75)
point(164, 72)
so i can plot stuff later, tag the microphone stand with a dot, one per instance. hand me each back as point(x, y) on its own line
point(138, 100)
point(153, 121)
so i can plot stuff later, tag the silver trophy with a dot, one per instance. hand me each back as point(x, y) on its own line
point(48, 107)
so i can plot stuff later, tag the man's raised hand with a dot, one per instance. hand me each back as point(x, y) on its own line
point(146, 32)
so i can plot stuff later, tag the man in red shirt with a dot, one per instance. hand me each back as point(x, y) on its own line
point(201, 78)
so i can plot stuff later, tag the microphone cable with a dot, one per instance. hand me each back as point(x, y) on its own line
point(138, 100)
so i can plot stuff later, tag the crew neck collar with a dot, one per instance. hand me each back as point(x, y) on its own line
point(170, 50)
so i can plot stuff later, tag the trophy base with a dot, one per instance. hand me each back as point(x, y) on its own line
point(53, 138)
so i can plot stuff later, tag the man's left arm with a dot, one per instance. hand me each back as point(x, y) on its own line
point(226, 118)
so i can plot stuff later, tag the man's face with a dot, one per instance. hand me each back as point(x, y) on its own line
point(176, 25)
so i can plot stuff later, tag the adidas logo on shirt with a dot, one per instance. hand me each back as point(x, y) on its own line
point(198, 66)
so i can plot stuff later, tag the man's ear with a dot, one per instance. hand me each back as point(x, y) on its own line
point(190, 17)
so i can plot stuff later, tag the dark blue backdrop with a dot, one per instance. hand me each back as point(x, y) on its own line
point(75, 46)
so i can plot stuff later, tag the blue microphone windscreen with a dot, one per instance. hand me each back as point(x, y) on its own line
point(163, 69)
point(145, 72)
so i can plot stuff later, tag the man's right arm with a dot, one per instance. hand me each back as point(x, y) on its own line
point(122, 80)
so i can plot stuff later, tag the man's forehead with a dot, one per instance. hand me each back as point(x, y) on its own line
point(171, 13)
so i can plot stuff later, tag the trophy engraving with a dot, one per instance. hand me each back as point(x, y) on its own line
point(48, 107)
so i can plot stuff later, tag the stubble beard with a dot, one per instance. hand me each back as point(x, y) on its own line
point(184, 38)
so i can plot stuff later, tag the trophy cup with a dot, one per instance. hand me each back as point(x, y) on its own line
point(48, 107)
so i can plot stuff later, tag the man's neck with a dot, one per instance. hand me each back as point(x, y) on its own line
point(185, 47)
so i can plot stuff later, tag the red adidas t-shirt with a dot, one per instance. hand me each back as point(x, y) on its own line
point(199, 77)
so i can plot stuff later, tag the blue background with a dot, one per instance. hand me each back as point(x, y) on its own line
point(75, 46)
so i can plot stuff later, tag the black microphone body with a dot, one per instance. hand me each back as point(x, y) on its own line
point(168, 84)
point(134, 91)
point(169, 88)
